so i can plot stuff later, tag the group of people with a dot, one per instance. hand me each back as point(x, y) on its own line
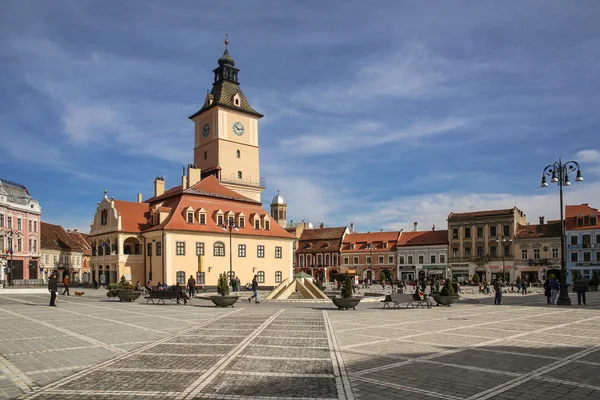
point(551, 288)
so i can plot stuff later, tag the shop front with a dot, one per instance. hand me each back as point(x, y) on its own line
point(438, 270)
point(460, 272)
point(587, 270)
point(407, 273)
point(502, 272)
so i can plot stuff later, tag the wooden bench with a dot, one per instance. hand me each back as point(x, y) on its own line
point(161, 295)
point(410, 299)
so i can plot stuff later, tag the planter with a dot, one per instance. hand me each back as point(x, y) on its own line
point(126, 295)
point(224, 301)
point(346, 303)
point(444, 300)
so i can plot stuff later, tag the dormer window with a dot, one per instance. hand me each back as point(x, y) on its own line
point(202, 219)
point(190, 217)
point(256, 224)
point(237, 100)
point(385, 245)
point(267, 225)
point(219, 219)
point(593, 220)
point(242, 223)
point(326, 245)
point(351, 246)
point(580, 221)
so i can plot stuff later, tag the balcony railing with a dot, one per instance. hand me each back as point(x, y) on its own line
point(538, 261)
point(585, 246)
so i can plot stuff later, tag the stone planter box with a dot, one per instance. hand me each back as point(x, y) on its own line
point(224, 301)
point(444, 300)
point(345, 304)
point(126, 295)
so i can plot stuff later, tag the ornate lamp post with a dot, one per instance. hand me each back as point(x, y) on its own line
point(11, 233)
point(230, 226)
point(504, 240)
point(559, 173)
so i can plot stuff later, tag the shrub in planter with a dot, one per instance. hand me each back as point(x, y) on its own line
point(223, 285)
point(114, 288)
point(347, 288)
point(448, 289)
point(476, 279)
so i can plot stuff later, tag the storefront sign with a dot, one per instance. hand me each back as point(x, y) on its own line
point(351, 271)
point(459, 265)
point(500, 267)
point(434, 267)
point(407, 267)
point(588, 264)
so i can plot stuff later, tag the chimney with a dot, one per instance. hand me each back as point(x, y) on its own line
point(159, 186)
point(322, 225)
point(193, 175)
point(76, 230)
point(415, 225)
point(352, 227)
point(433, 228)
point(139, 197)
point(541, 220)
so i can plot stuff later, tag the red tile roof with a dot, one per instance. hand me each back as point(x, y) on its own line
point(583, 210)
point(54, 237)
point(473, 214)
point(321, 240)
point(423, 238)
point(323, 233)
point(134, 216)
point(549, 230)
point(361, 241)
point(80, 239)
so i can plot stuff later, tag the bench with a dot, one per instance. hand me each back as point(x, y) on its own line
point(410, 299)
point(161, 295)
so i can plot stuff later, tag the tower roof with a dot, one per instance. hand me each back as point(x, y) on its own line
point(278, 200)
point(225, 88)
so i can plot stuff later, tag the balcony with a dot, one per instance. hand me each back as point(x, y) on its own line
point(538, 261)
point(585, 246)
point(131, 258)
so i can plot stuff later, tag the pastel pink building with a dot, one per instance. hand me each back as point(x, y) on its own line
point(19, 234)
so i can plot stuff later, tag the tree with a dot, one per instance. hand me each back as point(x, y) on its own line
point(223, 285)
point(476, 279)
point(347, 288)
point(575, 275)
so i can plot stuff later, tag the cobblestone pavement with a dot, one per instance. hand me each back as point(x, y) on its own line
point(89, 347)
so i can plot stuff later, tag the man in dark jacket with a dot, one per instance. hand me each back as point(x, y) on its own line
point(191, 285)
point(255, 290)
point(53, 288)
point(580, 286)
point(498, 289)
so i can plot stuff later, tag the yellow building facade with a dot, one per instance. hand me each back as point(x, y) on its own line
point(213, 222)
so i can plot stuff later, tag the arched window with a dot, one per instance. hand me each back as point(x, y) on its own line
point(219, 249)
point(278, 276)
point(327, 260)
point(260, 276)
point(301, 260)
point(320, 260)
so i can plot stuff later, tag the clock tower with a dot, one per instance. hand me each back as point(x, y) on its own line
point(226, 133)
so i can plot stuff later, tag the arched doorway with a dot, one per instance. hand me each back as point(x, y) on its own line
point(482, 274)
point(320, 275)
point(368, 274)
point(555, 272)
point(332, 274)
point(386, 274)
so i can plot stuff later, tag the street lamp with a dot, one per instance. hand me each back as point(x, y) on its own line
point(504, 239)
point(230, 226)
point(10, 233)
point(559, 173)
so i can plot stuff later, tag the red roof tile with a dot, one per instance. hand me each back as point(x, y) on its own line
point(423, 238)
point(321, 240)
point(54, 237)
point(573, 212)
point(362, 241)
point(80, 239)
point(549, 230)
point(134, 216)
point(323, 233)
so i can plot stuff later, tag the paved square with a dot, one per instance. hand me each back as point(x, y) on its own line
point(90, 347)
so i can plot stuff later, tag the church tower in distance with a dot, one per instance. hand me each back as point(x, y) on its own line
point(226, 133)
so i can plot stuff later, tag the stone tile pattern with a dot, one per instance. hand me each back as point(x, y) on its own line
point(92, 348)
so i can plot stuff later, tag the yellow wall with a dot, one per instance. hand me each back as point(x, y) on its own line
point(214, 265)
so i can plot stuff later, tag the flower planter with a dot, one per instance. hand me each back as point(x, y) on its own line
point(126, 295)
point(224, 301)
point(444, 300)
point(346, 303)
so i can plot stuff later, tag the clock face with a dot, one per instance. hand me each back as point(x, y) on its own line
point(206, 130)
point(238, 128)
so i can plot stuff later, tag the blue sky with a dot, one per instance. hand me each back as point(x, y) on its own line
point(378, 113)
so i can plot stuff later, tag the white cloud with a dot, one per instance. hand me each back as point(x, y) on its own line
point(588, 156)
point(363, 135)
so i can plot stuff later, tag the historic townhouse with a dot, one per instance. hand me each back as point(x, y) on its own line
point(19, 233)
point(422, 254)
point(371, 255)
point(60, 252)
point(319, 252)
point(81, 240)
point(537, 251)
point(213, 222)
point(583, 240)
point(481, 242)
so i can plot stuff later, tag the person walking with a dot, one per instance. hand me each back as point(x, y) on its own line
point(580, 286)
point(547, 292)
point(53, 288)
point(95, 282)
point(255, 290)
point(191, 284)
point(554, 287)
point(66, 283)
point(498, 289)
point(525, 287)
